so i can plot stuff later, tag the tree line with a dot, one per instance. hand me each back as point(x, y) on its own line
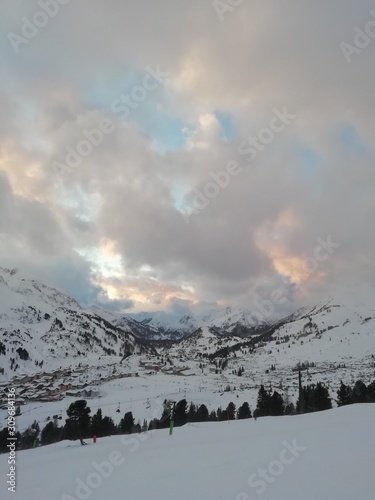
point(79, 424)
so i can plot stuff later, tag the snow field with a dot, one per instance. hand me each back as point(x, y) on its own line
point(328, 455)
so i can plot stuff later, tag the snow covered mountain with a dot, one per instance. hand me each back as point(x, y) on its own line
point(170, 325)
point(47, 335)
point(42, 327)
point(202, 342)
point(53, 351)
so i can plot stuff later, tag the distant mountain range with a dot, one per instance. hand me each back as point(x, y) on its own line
point(173, 326)
point(43, 328)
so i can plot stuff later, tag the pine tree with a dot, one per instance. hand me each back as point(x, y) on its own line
point(289, 409)
point(4, 435)
point(202, 414)
point(180, 413)
point(344, 395)
point(192, 413)
point(164, 420)
point(303, 404)
point(315, 398)
point(108, 427)
point(231, 411)
point(322, 401)
point(371, 392)
point(77, 423)
point(263, 402)
point(127, 423)
point(96, 427)
point(51, 433)
point(220, 414)
point(359, 394)
point(213, 416)
point(244, 411)
point(276, 404)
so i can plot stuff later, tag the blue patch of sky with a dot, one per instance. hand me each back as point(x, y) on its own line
point(100, 94)
point(351, 140)
point(179, 192)
point(309, 160)
point(228, 130)
point(166, 131)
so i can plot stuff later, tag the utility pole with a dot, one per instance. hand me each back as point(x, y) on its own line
point(301, 394)
point(171, 425)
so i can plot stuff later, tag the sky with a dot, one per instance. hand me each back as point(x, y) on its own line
point(174, 155)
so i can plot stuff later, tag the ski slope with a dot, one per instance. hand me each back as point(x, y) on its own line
point(328, 455)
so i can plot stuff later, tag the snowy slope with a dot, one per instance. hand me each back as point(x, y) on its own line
point(328, 455)
point(339, 328)
point(205, 340)
point(49, 329)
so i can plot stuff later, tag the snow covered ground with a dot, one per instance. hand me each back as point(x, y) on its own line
point(323, 456)
point(143, 395)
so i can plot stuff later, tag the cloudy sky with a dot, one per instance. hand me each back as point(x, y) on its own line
point(157, 154)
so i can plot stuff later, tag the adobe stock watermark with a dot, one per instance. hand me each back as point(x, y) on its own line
point(122, 106)
point(223, 6)
point(248, 148)
point(30, 27)
point(362, 39)
point(265, 308)
point(268, 475)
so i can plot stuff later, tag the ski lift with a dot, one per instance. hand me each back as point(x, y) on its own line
point(118, 408)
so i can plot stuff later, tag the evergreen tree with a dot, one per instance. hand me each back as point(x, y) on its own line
point(371, 392)
point(322, 401)
point(180, 413)
point(213, 416)
point(127, 423)
point(231, 411)
point(289, 409)
point(303, 404)
point(77, 423)
point(202, 414)
point(192, 413)
point(263, 402)
point(51, 433)
point(137, 427)
point(108, 427)
point(164, 421)
point(359, 394)
point(315, 398)
point(276, 404)
point(154, 424)
point(4, 440)
point(344, 395)
point(96, 427)
point(244, 411)
point(144, 426)
point(220, 414)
